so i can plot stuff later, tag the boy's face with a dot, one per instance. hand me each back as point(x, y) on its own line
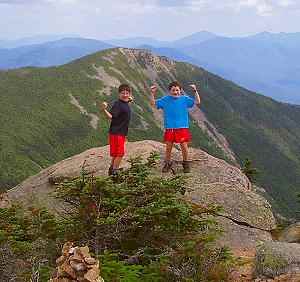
point(175, 91)
point(125, 95)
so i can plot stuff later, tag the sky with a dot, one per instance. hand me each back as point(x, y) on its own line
point(161, 19)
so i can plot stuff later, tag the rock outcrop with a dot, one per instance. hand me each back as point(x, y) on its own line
point(246, 217)
point(277, 260)
point(291, 234)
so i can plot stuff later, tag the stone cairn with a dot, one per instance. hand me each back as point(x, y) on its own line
point(76, 265)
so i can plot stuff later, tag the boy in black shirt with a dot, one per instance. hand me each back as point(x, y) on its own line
point(120, 117)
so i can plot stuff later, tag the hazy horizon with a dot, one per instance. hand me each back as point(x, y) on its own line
point(160, 19)
point(137, 36)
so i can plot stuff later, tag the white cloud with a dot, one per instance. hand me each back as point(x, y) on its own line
point(286, 3)
point(158, 18)
point(37, 2)
point(15, 2)
point(262, 7)
point(61, 1)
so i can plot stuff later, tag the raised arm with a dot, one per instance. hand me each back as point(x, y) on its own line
point(153, 91)
point(104, 106)
point(197, 96)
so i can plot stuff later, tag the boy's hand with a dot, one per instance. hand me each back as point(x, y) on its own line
point(104, 106)
point(153, 90)
point(194, 87)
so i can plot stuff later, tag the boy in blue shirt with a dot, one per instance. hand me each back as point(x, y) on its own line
point(176, 120)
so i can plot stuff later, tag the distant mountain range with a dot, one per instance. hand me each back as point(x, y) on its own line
point(267, 63)
point(135, 42)
point(50, 53)
point(33, 40)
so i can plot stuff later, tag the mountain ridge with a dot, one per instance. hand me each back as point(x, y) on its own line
point(265, 62)
point(50, 53)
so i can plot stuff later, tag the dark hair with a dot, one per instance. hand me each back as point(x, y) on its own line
point(124, 87)
point(174, 84)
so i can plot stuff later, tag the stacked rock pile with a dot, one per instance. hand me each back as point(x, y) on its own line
point(76, 265)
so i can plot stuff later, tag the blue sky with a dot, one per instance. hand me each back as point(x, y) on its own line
point(162, 19)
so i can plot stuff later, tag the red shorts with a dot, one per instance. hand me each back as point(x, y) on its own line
point(117, 145)
point(177, 135)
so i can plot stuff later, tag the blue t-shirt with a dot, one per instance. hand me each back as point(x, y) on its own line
point(175, 109)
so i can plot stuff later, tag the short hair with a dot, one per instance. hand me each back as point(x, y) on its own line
point(124, 87)
point(174, 84)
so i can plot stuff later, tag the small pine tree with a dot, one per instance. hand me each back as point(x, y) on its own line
point(250, 171)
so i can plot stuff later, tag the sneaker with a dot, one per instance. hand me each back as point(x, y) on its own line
point(116, 171)
point(167, 166)
point(186, 166)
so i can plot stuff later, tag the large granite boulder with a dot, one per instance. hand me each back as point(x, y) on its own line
point(246, 217)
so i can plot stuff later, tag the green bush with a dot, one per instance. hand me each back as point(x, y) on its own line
point(29, 242)
point(250, 171)
point(137, 223)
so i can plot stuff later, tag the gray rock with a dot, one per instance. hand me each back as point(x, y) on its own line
point(276, 258)
point(242, 240)
point(215, 182)
point(291, 234)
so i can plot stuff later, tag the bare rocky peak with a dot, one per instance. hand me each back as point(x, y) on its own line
point(147, 57)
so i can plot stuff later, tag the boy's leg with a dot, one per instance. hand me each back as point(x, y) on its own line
point(111, 150)
point(111, 166)
point(167, 165)
point(116, 162)
point(118, 151)
point(169, 141)
point(184, 151)
point(169, 146)
point(116, 143)
point(185, 157)
point(183, 136)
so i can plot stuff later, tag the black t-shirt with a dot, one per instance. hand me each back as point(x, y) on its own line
point(121, 113)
